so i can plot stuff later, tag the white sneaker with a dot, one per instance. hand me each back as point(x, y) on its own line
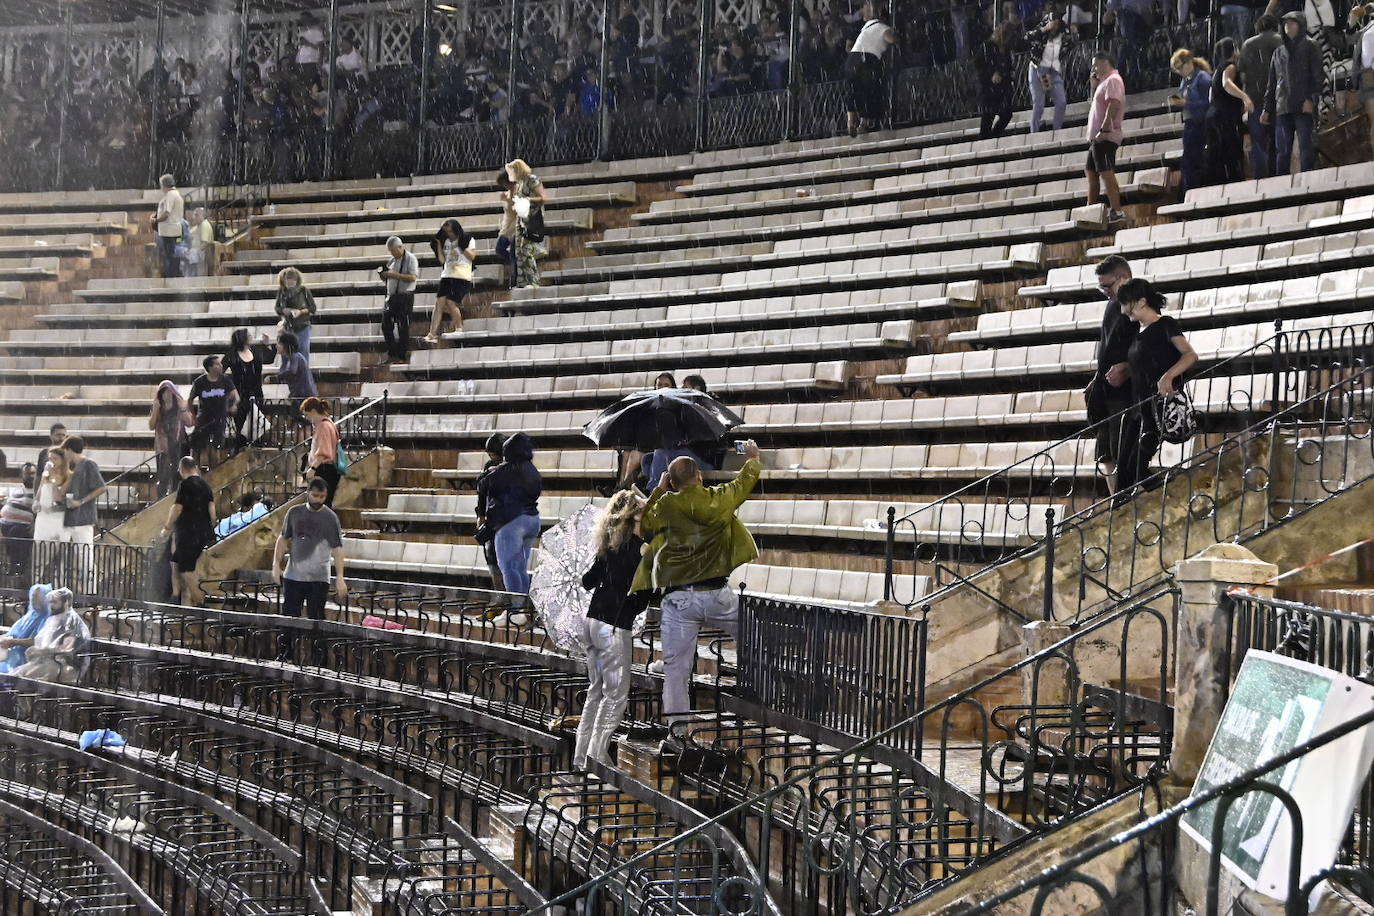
point(656, 666)
point(1116, 216)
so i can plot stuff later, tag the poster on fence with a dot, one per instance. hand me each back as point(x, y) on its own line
point(1276, 704)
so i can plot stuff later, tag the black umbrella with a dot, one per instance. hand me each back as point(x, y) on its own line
point(649, 418)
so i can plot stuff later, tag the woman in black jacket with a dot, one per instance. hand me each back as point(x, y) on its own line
point(509, 497)
point(606, 633)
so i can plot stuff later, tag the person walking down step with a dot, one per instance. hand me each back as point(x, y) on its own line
point(606, 633)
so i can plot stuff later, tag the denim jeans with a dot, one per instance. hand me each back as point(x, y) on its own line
point(303, 338)
point(683, 614)
point(167, 247)
point(1037, 90)
point(1194, 152)
point(1286, 129)
point(608, 651)
point(1261, 147)
point(514, 541)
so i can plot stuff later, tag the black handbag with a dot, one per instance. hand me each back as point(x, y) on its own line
point(483, 535)
point(1175, 417)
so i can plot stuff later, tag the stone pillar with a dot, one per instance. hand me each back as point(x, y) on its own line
point(1200, 686)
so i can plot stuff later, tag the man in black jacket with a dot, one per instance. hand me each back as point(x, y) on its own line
point(1108, 395)
point(1295, 86)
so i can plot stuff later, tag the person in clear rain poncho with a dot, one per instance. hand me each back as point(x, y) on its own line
point(59, 643)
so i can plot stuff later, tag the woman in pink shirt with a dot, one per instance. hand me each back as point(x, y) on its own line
point(324, 447)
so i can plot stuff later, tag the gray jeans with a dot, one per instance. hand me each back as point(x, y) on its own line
point(608, 651)
point(684, 613)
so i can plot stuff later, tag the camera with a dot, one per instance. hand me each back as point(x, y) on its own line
point(381, 270)
point(740, 445)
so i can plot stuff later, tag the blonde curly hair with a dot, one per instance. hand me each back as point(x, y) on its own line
point(617, 521)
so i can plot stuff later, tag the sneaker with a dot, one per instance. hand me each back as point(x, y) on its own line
point(1116, 216)
point(656, 666)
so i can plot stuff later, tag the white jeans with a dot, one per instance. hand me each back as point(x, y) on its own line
point(608, 651)
point(684, 613)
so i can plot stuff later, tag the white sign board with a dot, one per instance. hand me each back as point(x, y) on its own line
point(1276, 704)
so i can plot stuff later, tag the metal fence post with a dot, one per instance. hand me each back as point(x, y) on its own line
point(704, 34)
point(423, 109)
point(1049, 565)
point(889, 552)
point(510, 80)
point(64, 102)
point(792, 98)
point(154, 140)
point(603, 121)
point(331, 54)
point(239, 172)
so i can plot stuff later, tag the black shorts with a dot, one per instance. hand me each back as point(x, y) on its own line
point(453, 288)
point(1102, 156)
point(186, 551)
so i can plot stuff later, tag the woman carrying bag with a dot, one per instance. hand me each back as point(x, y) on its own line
point(326, 459)
point(528, 196)
point(1159, 357)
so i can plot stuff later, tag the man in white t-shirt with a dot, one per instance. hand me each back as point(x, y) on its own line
point(350, 62)
point(171, 210)
point(311, 41)
point(200, 247)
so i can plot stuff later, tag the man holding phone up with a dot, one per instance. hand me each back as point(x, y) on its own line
point(695, 543)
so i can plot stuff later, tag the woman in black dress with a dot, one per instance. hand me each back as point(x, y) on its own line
point(244, 363)
point(1158, 358)
point(1230, 104)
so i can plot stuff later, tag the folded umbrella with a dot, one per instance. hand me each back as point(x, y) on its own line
point(640, 418)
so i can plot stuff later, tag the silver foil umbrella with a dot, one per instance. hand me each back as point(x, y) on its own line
point(566, 552)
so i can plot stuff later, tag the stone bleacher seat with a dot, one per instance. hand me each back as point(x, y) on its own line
point(651, 351)
point(467, 561)
point(722, 380)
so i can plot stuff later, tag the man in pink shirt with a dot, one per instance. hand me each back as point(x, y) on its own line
point(1105, 134)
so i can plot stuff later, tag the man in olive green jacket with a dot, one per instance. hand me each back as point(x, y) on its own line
point(696, 542)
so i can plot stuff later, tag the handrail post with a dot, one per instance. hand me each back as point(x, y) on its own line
point(1048, 607)
point(889, 553)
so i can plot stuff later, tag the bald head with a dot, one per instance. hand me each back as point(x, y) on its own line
point(683, 472)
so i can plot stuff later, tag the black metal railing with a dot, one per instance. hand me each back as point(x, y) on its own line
point(1141, 855)
point(284, 446)
point(52, 870)
point(873, 827)
point(641, 115)
point(850, 672)
point(116, 572)
point(1293, 390)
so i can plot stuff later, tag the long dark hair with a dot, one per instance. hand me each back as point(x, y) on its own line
point(1223, 51)
point(238, 340)
point(461, 238)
